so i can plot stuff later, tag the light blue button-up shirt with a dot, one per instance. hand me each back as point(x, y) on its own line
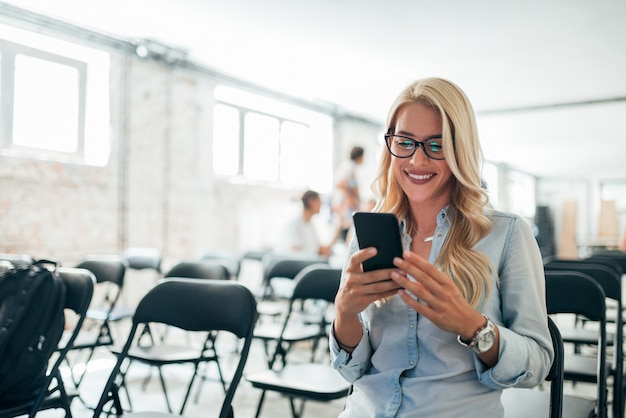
point(404, 366)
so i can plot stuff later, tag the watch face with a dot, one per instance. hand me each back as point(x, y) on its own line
point(485, 341)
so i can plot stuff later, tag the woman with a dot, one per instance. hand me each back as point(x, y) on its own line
point(463, 315)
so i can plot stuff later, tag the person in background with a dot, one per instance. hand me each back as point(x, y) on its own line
point(463, 315)
point(299, 234)
point(346, 198)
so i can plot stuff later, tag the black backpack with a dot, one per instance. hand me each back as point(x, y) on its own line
point(32, 299)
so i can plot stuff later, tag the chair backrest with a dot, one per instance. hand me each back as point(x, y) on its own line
point(105, 269)
point(195, 305)
point(110, 273)
point(555, 375)
point(230, 260)
point(212, 270)
point(606, 260)
point(314, 282)
point(606, 276)
point(284, 266)
point(317, 281)
point(79, 285)
point(617, 255)
point(287, 265)
point(141, 258)
point(570, 292)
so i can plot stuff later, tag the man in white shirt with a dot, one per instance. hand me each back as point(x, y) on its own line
point(299, 235)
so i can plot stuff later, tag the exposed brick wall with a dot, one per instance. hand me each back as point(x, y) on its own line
point(158, 189)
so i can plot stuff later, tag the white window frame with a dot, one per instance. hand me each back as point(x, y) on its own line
point(93, 122)
point(283, 113)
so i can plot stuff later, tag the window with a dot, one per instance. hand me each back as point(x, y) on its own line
point(261, 139)
point(521, 193)
point(55, 99)
point(491, 179)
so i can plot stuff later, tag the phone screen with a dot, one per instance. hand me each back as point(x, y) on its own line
point(380, 230)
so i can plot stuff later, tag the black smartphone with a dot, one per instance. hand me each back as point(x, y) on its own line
point(380, 230)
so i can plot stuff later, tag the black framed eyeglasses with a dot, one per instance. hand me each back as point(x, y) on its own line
point(404, 147)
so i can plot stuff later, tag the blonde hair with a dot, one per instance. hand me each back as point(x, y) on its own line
point(470, 269)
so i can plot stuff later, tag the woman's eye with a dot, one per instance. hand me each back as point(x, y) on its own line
point(405, 144)
point(434, 146)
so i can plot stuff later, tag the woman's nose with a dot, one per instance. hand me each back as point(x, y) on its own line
point(419, 157)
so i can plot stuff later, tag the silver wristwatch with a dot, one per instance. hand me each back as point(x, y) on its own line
point(483, 338)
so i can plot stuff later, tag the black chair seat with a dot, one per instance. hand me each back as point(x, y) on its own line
point(311, 381)
point(536, 403)
point(576, 406)
point(298, 332)
point(166, 354)
point(585, 336)
point(582, 368)
point(190, 305)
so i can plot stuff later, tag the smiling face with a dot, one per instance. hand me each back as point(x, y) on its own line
point(425, 181)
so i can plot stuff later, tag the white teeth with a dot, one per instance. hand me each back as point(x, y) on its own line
point(418, 177)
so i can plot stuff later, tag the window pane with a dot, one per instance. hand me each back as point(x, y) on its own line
point(260, 158)
point(521, 188)
point(48, 90)
point(226, 140)
point(490, 177)
point(295, 162)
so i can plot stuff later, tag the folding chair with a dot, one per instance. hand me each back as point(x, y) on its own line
point(570, 292)
point(301, 326)
point(310, 380)
point(143, 258)
point(279, 272)
point(615, 255)
point(524, 403)
point(193, 306)
point(109, 273)
point(283, 268)
point(79, 285)
point(161, 353)
point(231, 261)
point(580, 367)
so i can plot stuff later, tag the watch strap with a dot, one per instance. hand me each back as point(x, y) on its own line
point(473, 343)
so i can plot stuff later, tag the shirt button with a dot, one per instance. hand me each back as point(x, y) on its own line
point(411, 326)
point(397, 390)
point(411, 362)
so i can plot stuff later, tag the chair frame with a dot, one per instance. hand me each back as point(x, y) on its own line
point(108, 271)
point(209, 305)
point(584, 369)
point(323, 383)
point(160, 354)
point(570, 292)
point(526, 400)
point(285, 266)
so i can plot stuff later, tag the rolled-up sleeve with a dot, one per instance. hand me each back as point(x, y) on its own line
point(525, 350)
point(350, 365)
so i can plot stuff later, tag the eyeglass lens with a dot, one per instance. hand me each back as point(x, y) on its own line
point(404, 147)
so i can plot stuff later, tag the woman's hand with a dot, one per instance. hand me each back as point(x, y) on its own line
point(357, 291)
point(439, 298)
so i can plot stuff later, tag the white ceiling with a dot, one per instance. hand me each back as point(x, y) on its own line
point(514, 59)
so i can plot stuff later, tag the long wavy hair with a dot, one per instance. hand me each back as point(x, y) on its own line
point(470, 269)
